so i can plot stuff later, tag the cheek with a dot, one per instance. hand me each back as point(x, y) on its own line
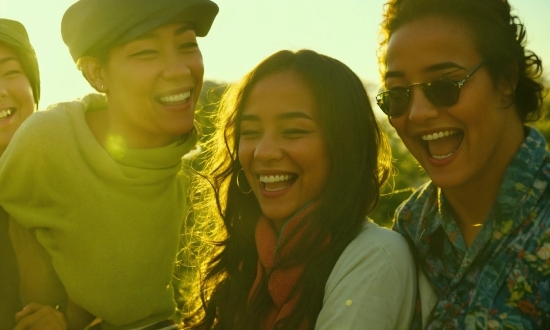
point(245, 153)
point(399, 124)
point(196, 65)
point(135, 81)
point(23, 92)
point(320, 165)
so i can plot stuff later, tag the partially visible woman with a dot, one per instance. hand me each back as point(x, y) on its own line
point(19, 95)
point(292, 172)
point(98, 204)
point(460, 89)
point(19, 79)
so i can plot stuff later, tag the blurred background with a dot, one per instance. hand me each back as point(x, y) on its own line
point(246, 31)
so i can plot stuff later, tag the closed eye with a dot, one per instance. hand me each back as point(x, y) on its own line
point(146, 53)
point(294, 133)
point(189, 46)
point(12, 73)
point(249, 133)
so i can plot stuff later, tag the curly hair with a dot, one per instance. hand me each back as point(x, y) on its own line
point(359, 161)
point(499, 35)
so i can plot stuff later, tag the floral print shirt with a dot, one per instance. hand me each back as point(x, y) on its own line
point(502, 281)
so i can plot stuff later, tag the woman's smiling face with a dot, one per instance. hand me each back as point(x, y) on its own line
point(153, 83)
point(16, 96)
point(459, 144)
point(281, 146)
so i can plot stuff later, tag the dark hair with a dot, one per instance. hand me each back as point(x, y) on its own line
point(359, 162)
point(499, 35)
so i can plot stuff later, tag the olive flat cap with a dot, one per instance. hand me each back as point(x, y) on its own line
point(95, 24)
point(14, 35)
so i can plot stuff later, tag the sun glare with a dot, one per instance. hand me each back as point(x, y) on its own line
point(245, 32)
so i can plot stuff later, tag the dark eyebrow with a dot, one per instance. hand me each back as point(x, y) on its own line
point(184, 29)
point(7, 59)
point(283, 116)
point(428, 69)
point(442, 66)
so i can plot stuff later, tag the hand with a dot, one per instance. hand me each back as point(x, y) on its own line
point(40, 317)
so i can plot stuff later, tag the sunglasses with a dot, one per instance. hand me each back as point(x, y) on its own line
point(441, 93)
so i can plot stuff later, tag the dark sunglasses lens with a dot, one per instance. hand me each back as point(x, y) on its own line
point(442, 93)
point(393, 102)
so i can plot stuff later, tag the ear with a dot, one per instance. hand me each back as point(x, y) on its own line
point(507, 83)
point(92, 70)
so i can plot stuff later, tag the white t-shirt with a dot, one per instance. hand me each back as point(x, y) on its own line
point(373, 284)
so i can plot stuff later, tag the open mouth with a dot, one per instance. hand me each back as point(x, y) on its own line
point(442, 145)
point(277, 182)
point(175, 99)
point(6, 113)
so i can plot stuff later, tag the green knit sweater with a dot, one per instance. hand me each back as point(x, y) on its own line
point(109, 221)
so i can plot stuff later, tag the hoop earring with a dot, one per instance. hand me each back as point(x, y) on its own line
point(239, 185)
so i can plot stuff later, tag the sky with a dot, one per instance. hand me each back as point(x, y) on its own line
point(246, 31)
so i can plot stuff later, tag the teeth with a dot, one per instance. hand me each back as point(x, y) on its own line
point(443, 156)
point(274, 178)
point(438, 135)
point(276, 189)
point(5, 113)
point(176, 98)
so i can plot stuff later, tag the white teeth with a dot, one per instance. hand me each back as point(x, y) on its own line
point(281, 188)
point(274, 178)
point(438, 135)
point(176, 98)
point(5, 113)
point(443, 156)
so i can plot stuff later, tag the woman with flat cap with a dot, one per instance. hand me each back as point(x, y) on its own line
point(96, 212)
point(19, 95)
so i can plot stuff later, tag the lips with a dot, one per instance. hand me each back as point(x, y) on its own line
point(442, 144)
point(6, 113)
point(174, 99)
point(277, 181)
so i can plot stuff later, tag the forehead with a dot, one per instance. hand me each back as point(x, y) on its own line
point(430, 40)
point(7, 52)
point(280, 92)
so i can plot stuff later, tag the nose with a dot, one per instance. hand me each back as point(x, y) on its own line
point(420, 108)
point(267, 149)
point(176, 66)
point(3, 90)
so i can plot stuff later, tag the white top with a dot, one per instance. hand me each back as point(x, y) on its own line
point(372, 285)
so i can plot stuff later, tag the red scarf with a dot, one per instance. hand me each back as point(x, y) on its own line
point(282, 280)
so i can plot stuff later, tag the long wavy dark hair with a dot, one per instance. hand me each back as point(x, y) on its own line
point(499, 35)
point(359, 162)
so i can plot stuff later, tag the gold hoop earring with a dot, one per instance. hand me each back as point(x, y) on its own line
point(239, 185)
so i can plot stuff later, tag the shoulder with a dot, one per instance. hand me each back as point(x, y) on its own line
point(373, 282)
point(60, 117)
point(425, 193)
point(375, 242)
point(375, 252)
point(422, 205)
point(47, 130)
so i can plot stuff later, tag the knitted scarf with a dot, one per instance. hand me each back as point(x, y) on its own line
point(281, 280)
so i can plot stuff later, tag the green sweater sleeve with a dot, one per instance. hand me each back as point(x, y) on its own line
point(110, 226)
